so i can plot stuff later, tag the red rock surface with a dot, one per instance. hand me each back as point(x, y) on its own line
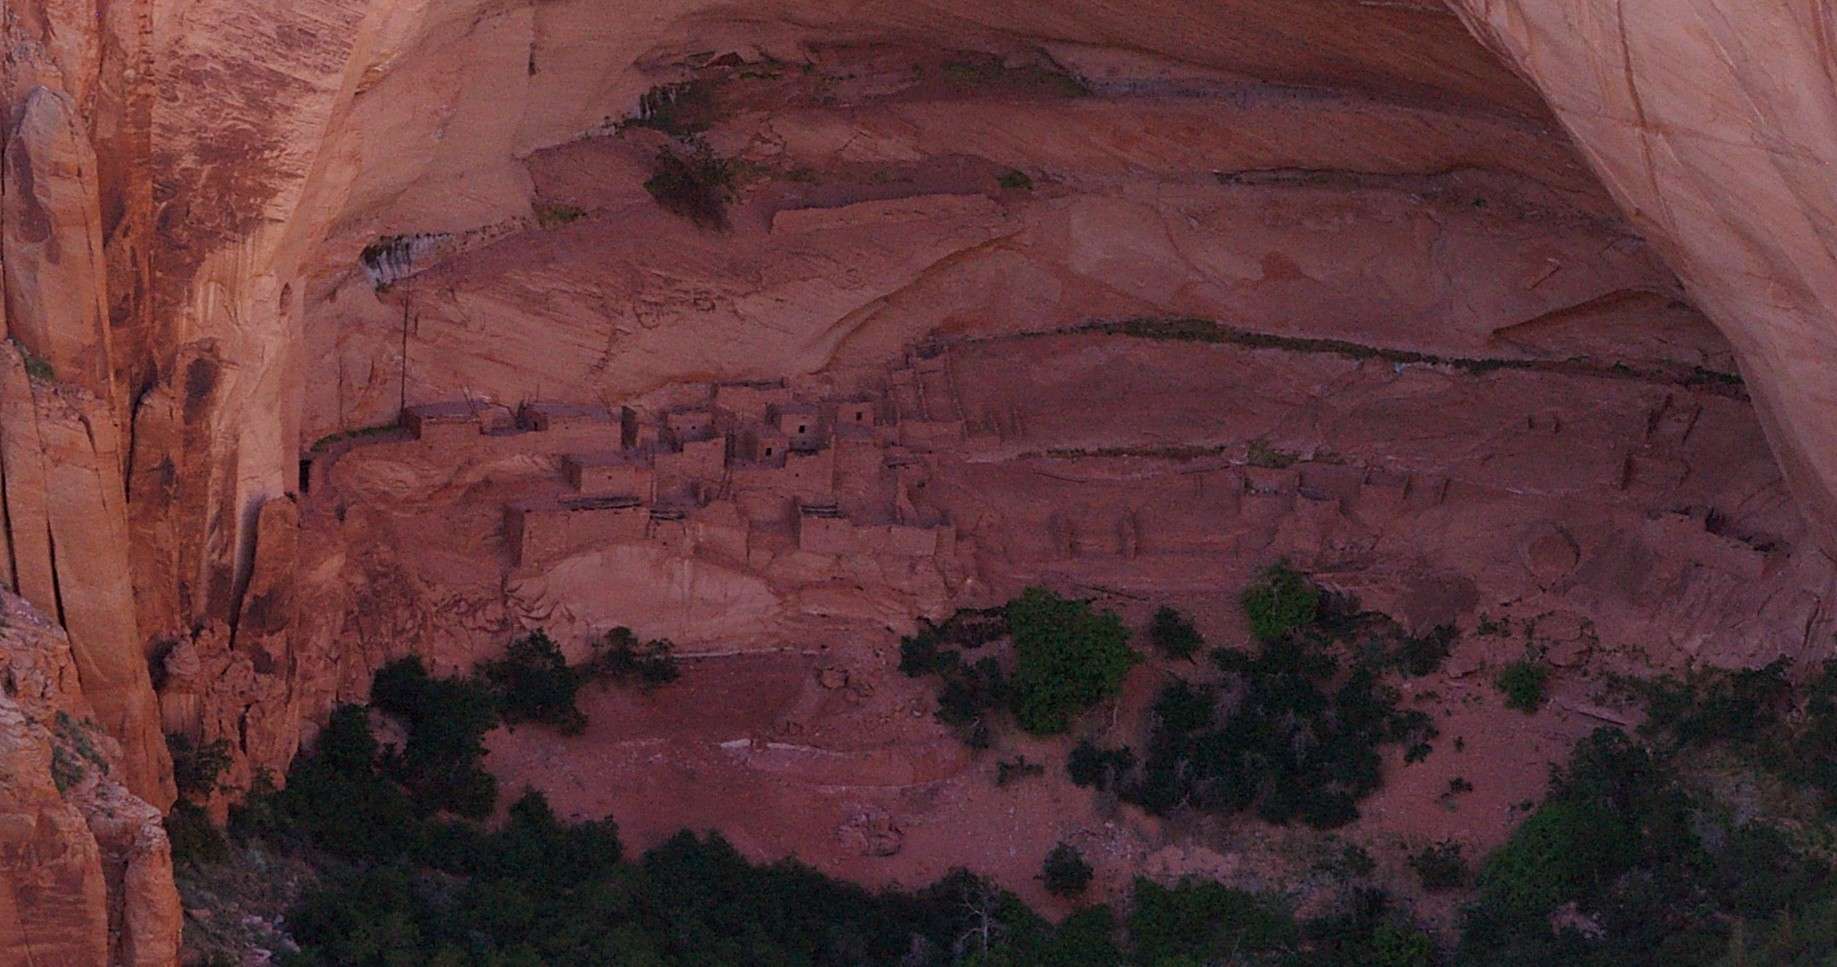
point(85, 867)
point(1487, 270)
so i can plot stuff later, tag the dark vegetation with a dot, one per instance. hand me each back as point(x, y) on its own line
point(980, 71)
point(74, 752)
point(37, 367)
point(534, 683)
point(1630, 858)
point(1092, 765)
point(1440, 866)
point(446, 720)
point(353, 797)
point(1066, 658)
point(622, 659)
point(1786, 732)
point(1065, 871)
point(195, 768)
point(1634, 837)
point(1209, 923)
point(696, 184)
point(1173, 635)
point(970, 691)
point(402, 879)
point(1522, 683)
point(557, 215)
point(1280, 603)
point(680, 110)
point(1293, 731)
point(687, 177)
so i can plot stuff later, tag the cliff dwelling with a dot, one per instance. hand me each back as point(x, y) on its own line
point(1071, 482)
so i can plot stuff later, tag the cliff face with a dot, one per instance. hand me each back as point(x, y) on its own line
point(229, 230)
point(1714, 124)
point(85, 867)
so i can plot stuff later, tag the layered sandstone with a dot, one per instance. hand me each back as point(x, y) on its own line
point(85, 867)
point(1714, 123)
point(1471, 280)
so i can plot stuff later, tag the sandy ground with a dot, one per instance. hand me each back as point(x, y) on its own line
point(831, 756)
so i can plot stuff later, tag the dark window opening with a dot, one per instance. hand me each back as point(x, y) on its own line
point(801, 428)
point(306, 475)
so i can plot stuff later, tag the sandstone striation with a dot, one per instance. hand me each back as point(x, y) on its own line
point(85, 867)
point(1725, 165)
point(342, 330)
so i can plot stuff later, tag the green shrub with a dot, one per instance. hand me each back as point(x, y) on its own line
point(1563, 851)
point(1200, 922)
point(446, 720)
point(1714, 705)
point(195, 768)
point(1420, 655)
point(336, 798)
point(1065, 871)
point(67, 769)
point(361, 918)
point(37, 367)
point(968, 696)
point(1759, 871)
point(533, 683)
point(1015, 179)
point(1752, 711)
point(970, 691)
point(921, 655)
point(1068, 658)
point(1440, 866)
point(937, 649)
point(416, 888)
point(1280, 602)
point(195, 839)
point(557, 215)
point(1616, 836)
point(1522, 683)
point(1174, 634)
point(1365, 932)
point(1089, 765)
point(1294, 745)
point(619, 657)
point(1396, 946)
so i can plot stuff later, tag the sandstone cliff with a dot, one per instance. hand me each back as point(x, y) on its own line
point(1714, 123)
point(85, 868)
point(231, 232)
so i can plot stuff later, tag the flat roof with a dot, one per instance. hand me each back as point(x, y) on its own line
point(609, 458)
point(570, 504)
point(443, 412)
point(587, 410)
